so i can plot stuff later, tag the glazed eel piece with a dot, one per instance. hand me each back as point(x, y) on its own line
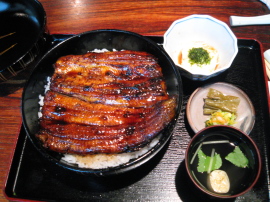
point(108, 102)
point(125, 78)
point(124, 64)
point(138, 95)
point(90, 139)
point(68, 109)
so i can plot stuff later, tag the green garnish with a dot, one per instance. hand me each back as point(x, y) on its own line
point(198, 56)
point(208, 163)
point(221, 118)
point(207, 142)
point(237, 158)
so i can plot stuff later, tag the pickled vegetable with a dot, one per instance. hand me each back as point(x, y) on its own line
point(216, 100)
point(221, 118)
point(224, 105)
point(217, 95)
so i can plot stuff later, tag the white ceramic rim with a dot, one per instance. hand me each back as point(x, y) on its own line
point(212, 19)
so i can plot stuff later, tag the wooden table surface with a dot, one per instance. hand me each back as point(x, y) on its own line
point(146, 17)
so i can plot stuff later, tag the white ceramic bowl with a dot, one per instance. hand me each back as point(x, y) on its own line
point(206, 29)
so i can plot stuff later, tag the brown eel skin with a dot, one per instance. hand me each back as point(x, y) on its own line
point(109, 102)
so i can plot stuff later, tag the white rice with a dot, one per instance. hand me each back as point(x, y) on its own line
point(41, 97)
point(98, 161)
point(101, 50)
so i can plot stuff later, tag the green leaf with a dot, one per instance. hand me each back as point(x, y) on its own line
point(237, 158)
point(204, 162)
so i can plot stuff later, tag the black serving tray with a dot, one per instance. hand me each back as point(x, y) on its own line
point(164, 177)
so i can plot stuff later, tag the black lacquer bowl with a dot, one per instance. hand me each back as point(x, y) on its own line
point(222, 141)
point(80, 44)
point(22, 35)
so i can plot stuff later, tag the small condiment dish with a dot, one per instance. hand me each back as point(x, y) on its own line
point(245, 117)
point(232, 151)
point(184, 33)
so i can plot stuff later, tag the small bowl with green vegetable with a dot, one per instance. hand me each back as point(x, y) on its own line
point(201, 46)
point(223, 161)
point(220, 103)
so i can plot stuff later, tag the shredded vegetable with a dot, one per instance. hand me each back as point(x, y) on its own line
point(221, 118)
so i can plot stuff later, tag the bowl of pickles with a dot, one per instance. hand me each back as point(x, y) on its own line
point(223, 161)
point(220, 103)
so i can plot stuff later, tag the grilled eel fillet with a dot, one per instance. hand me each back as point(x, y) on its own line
point(108, 102)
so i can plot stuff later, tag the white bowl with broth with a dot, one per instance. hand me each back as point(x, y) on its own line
point(201, 31)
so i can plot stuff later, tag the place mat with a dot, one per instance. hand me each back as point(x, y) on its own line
point(164, 177)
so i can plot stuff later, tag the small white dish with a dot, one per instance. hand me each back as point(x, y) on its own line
point(245, 113)
point(208, 30)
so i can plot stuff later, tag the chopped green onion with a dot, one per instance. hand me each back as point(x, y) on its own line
point(195, 154)
point(216, 142)
point(211, 161)
point(207, 142)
